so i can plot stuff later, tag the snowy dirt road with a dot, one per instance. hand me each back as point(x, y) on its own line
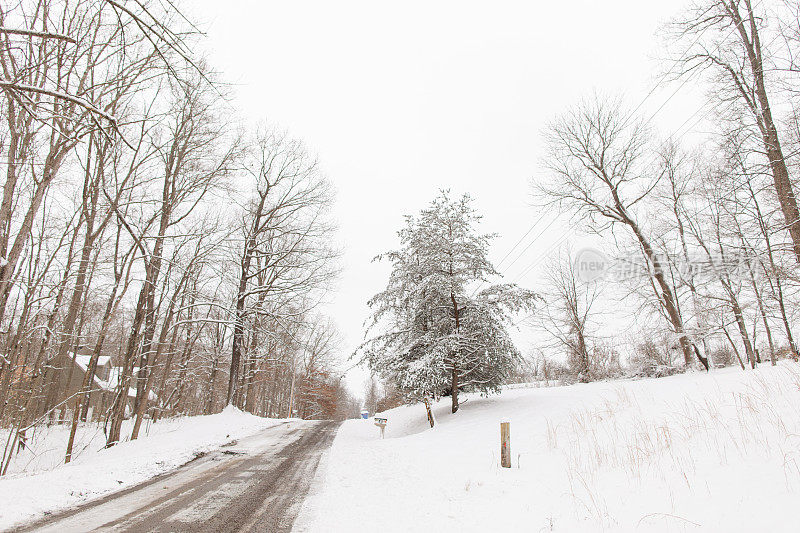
point(256, 484)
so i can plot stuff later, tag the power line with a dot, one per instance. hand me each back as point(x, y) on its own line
point(566, 235)
point(530, 244)
point(571, 230)
point(521, 239)
point(624, 123)
point(483, 282)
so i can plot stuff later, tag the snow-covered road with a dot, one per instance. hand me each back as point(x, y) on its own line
point(255, 484)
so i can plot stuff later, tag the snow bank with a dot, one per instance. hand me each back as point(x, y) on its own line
point(40, 487)
point(714, 451)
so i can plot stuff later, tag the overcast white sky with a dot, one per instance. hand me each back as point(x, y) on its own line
point(401, 99)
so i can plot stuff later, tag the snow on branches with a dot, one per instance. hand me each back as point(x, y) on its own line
point(435, 329)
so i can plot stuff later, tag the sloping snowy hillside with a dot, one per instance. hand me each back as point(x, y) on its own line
point(717, 452)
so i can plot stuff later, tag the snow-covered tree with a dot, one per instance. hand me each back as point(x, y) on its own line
point(440, 327)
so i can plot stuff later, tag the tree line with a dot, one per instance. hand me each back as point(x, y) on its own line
point(714, 225)
point(142, 222)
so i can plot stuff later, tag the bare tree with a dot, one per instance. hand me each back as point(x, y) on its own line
point(597, 162)
point(58, 91)
point(721, 261)
point(570, 305)
point(118, 155)
point(284, 252)
point(194, 156)
point(725, 39)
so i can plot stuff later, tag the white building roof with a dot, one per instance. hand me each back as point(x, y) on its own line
point(113, 376)
point(83, 360)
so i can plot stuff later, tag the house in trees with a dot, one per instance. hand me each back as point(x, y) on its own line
point(72, 371)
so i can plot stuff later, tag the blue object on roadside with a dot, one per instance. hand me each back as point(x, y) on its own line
point(365, 414)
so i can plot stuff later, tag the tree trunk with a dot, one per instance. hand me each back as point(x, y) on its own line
point(51, 166)
point(733, 346)
point(748, 348)
point(431, 420)
point(211, 381)
point(667, 298)
point(117, 413)
point(769, 133)
point(764, 320)
point(454, 389)
point(236, 345)
point(454, 380)
point(84, 399)
point(144, 394)
point(160, 390)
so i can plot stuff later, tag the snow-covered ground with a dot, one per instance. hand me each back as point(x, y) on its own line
point(714, 452)
point(39, 483)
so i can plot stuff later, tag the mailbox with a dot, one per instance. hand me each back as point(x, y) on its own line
point(381, 423)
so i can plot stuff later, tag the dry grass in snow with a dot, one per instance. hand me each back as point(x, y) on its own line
point(693, 452)
point(684, 444)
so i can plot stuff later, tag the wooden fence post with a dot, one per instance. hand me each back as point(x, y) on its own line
point(505, 444)
point(428, 410)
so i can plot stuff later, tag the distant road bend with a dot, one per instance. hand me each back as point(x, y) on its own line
point(257, 484)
